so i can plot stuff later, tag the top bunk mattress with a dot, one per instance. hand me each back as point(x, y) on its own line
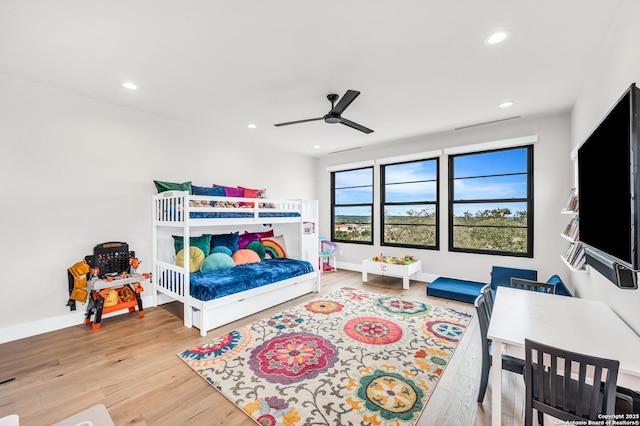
point(229, 215)
point(223, 282)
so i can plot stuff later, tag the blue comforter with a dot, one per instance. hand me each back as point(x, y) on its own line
point(223, 282)
point(224, 215)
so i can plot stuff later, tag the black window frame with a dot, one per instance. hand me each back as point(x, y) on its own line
point(333, 206)
point(528, 200)
point(436, 204)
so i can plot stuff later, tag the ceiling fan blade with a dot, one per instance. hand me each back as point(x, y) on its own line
point(344, 102)
point(355, 125)
point(299, 121)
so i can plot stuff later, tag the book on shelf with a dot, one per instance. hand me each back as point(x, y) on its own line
point(570, 250)
point(572, 201)
point(574, 255)
point(572, 229)
point(572, 193)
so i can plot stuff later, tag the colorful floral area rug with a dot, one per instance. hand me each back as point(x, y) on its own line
point(352, 357)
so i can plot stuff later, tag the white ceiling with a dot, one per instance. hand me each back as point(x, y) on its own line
point(421, 66)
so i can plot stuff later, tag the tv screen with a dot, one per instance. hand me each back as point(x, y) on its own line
point(607, 183)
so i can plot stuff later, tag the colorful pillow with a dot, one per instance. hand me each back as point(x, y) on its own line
point(172, 186)
point(247, 237)
point(258, 247)
point(251, 193)
point(228, 240)
point(208, 191)
point(274, 247)
point(243, 256)
point(233, 192)
point(203, 242)
point(229, 191)
point(196, 257)
point(221, 249)
point(217, 261)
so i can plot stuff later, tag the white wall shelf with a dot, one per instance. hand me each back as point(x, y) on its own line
point(583, 270)
point(575, 252)
point(566, 237)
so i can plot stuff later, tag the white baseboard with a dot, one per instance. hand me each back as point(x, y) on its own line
point(21, 331)
point(33, 328)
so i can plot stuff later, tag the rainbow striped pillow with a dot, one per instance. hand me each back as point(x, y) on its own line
point(274, 247)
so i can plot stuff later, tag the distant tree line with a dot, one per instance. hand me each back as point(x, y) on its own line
point(491, 229)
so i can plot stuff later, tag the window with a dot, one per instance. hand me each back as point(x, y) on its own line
point(491, 202)
point(352, 206)
point(409, 193)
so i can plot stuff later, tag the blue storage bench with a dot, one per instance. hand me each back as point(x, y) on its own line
point(467, 291)
point(455, 289)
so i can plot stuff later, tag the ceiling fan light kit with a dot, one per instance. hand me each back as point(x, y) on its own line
point(335, 115)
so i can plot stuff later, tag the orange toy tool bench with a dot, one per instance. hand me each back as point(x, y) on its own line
point(114, 283)
point(113, 294)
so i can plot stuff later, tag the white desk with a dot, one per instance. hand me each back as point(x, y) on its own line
point(579, 325)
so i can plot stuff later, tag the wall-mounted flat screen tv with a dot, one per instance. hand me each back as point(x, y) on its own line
point(608, 189)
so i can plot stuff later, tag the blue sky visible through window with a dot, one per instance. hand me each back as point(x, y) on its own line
point(466, 166)
point(406, 182)
point(354, 187)
point(475, 179)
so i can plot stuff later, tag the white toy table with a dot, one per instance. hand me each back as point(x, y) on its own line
point(405, 271)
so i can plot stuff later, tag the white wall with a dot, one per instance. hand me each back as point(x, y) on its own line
point(552, 180)
point(77, 172)
point(606, 83)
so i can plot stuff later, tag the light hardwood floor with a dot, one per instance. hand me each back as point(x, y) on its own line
point(131, 366)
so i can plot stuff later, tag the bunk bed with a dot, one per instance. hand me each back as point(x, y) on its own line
point(214, 298)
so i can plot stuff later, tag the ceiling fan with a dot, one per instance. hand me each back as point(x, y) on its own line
point(334, 116)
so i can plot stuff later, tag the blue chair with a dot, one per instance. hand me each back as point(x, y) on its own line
point(501, 275)
point(467, 291)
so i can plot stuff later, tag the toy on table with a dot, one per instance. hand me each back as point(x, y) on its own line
point(395, 260)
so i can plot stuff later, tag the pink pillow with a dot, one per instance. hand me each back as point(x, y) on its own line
point(248, 237)
point(233, 192)
point(243, 256)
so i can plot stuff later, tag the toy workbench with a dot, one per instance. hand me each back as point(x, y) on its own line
point(113, 294)
point(114, 282)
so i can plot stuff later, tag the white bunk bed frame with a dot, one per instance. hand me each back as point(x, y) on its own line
point(171, 210)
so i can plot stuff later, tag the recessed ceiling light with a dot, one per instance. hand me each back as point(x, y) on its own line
point(252, 126)
point(316, 146)
point(496, 37)
point(506, 104)
point(129, 85)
